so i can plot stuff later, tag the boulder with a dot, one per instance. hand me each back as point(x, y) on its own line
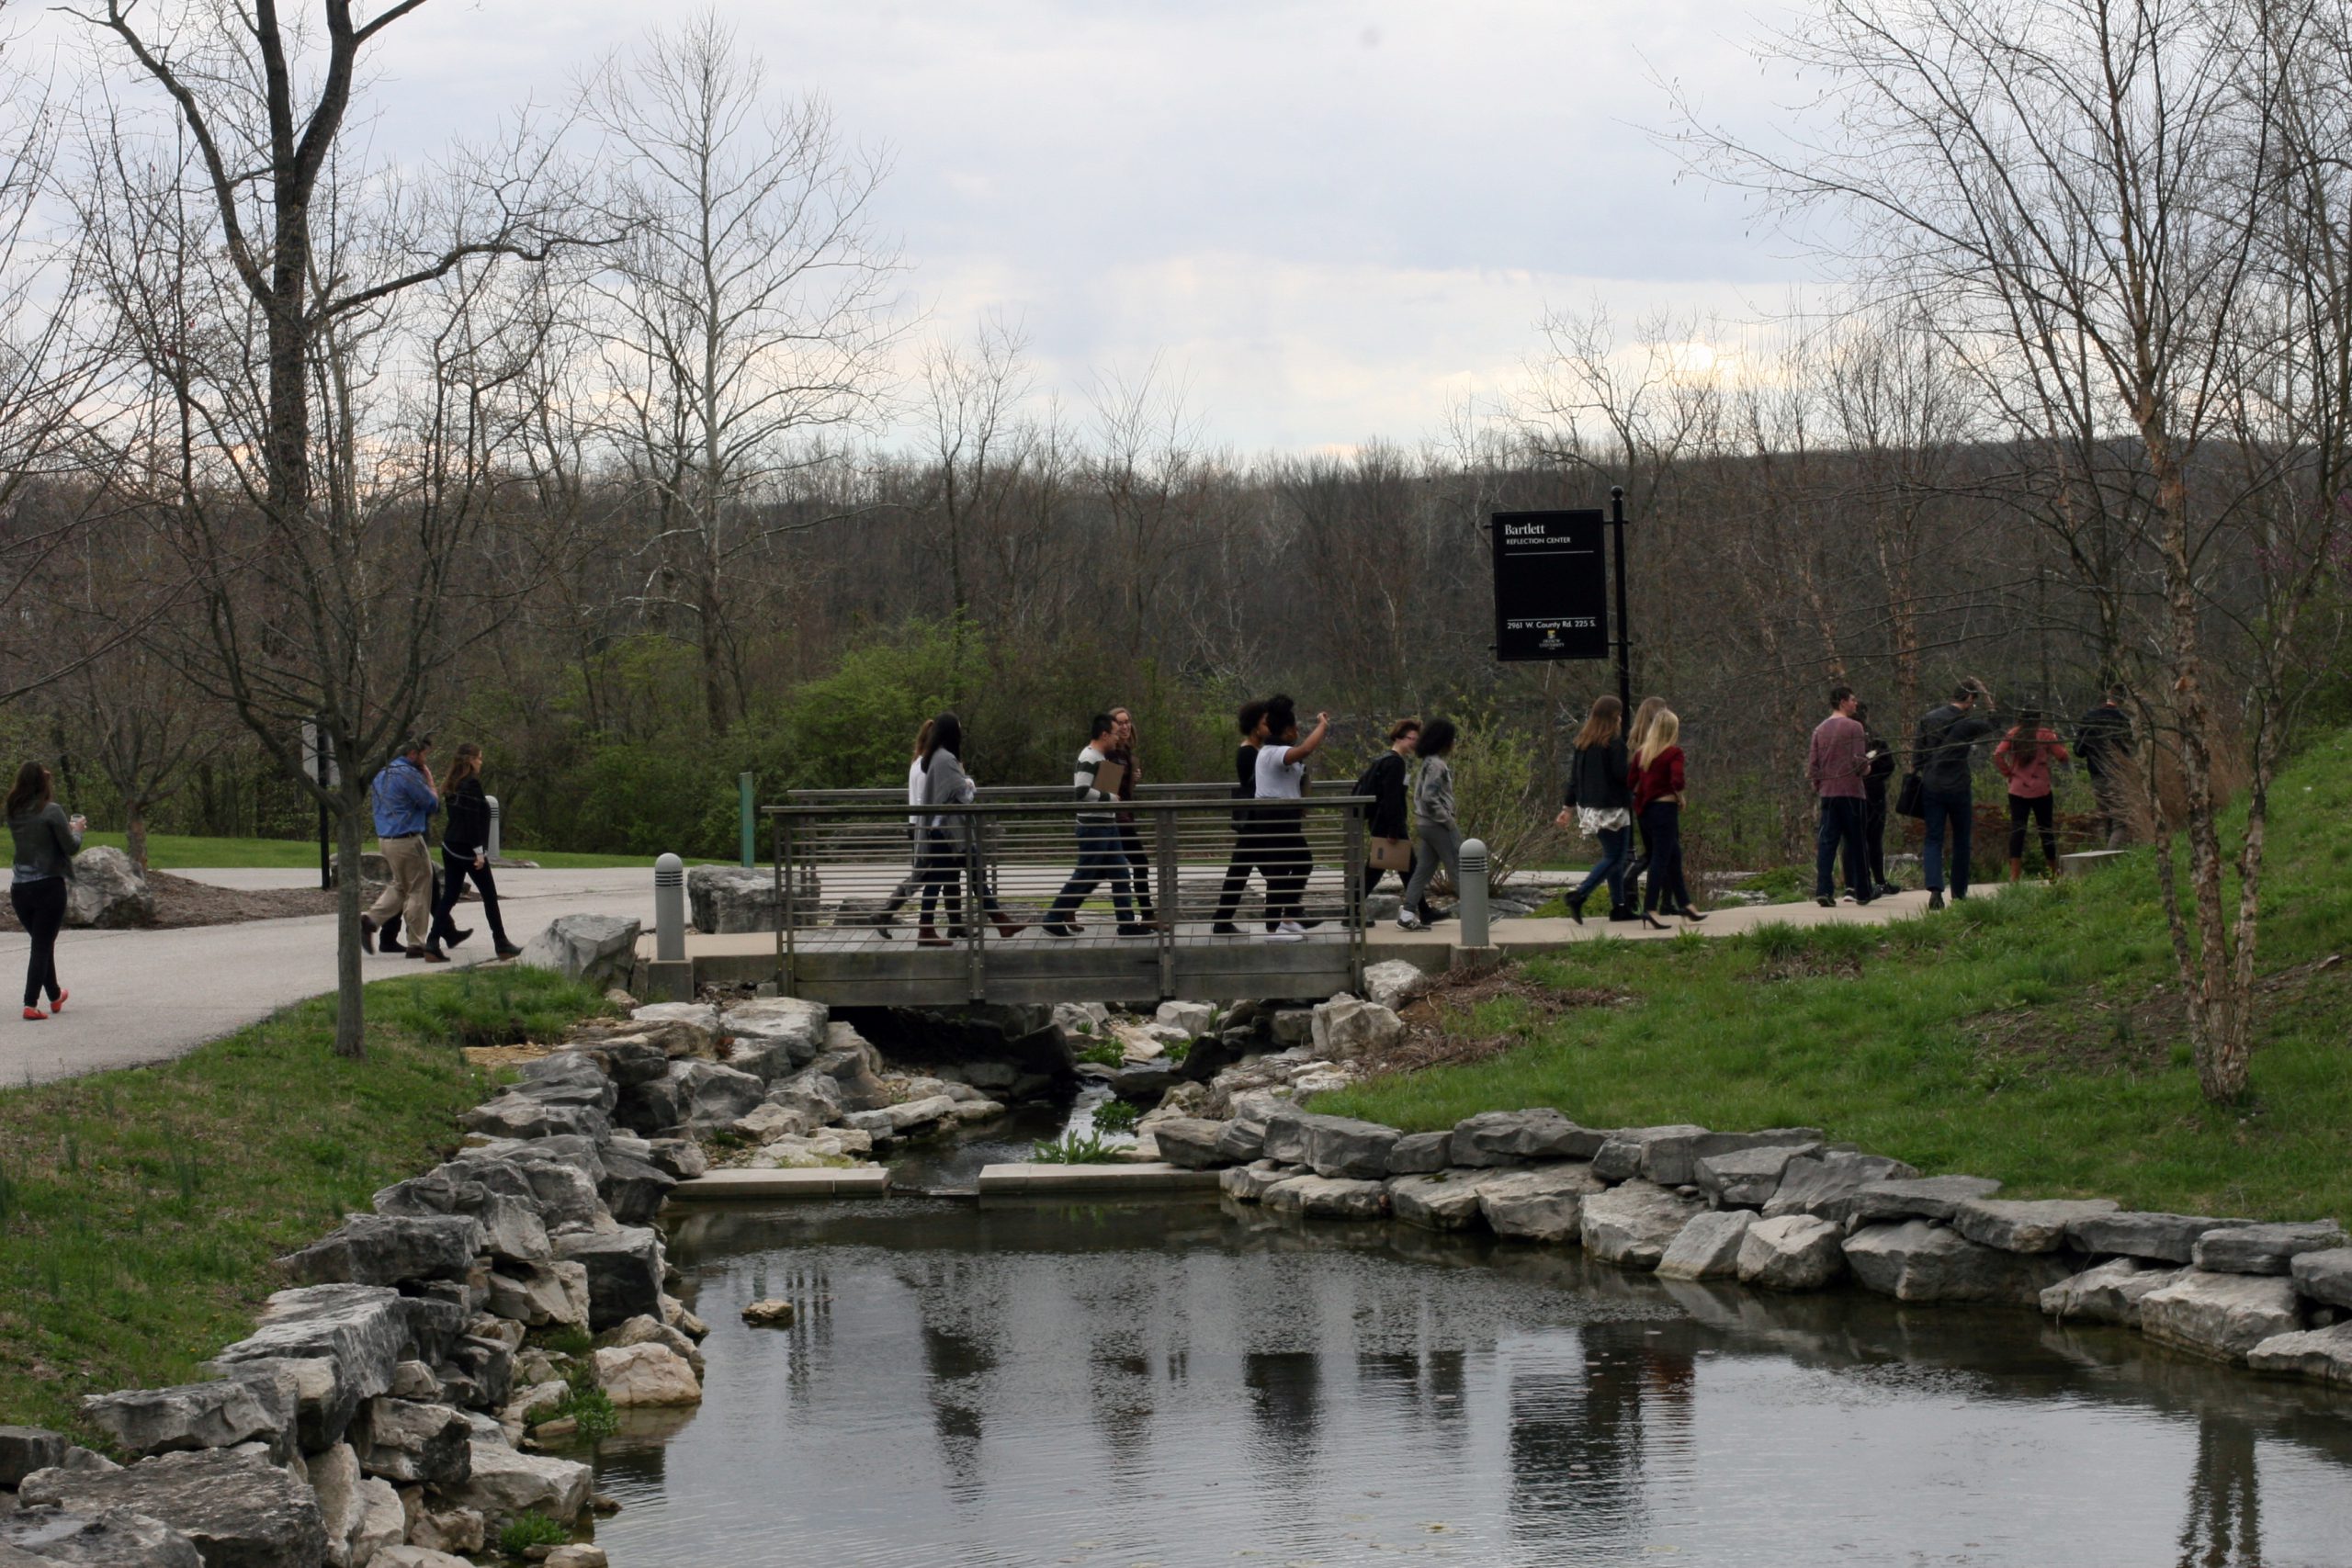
point(238, 1510)
point(567, 1078)
point(596, 950)
point(1824, 1185)
point(1288, 1027)
point(456, 1530)
point(633, 1190)
point(384, 1249)
point(1542, 1203)
point(680, 1159)
point(2322, 1355)
point(1329, 1145)
point(1393, 982)
point(1188, 1142)
point(1632, 1225)
point(116, 1538)
point(2325, 1276)
point(1669, 1156)
point(774, 1036)
point(1917, 1260)
point(729, 898)
point(701, 1020)
point(24, 1450)
point(218, 1415)
point(1624, 1154)
point(323, 1404)
point(406, 1556)
point(1791, 1252)
point(106, 891)
point(711, 1096)
point(502, 1483)
point(335, 1481)
point(541, 1294)
point(1344, 1029)
point(646, 1374)
point(410, 1443)
point(2264, 1249)
point(2025, 1224)
point(559, 1173)
point(434, 1320)
point(1251, 1183)
point(1328, 1197)
point(623, 1269)
point(1921, 1198)
point(2168, 1238)
point(520, 1116)
point(1444, 1201)
point(1746, 1178)
point(362, 1329)
point(383, 1522)
point(477, 1372)
point(1419, 1154)
point(2220, 1314)
point(904, 1119)
point(2111, 1292)
point(653, 1331)
point(578, 1555)
point(1522, 1137)
point(1707, 1246)
point(625, 1059)
point(1189, 1020)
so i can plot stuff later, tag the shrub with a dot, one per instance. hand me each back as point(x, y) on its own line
point(525, 1531)
point(1117, 1115)
point(1072, 1149)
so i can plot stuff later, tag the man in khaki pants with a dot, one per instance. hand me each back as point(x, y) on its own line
point(405, 802)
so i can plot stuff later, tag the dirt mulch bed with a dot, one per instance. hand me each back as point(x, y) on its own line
point(1435, 1022)
point(181, 902)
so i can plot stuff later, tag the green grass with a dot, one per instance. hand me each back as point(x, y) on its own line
point(140, 1210)
point(181, 851)
point(529, 1529)
point(2035, 1037)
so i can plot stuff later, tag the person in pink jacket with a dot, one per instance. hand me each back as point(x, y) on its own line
point(2025, 757)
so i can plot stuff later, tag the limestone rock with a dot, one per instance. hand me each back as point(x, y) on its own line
point(2111, 1292)
point(775, 1036)
point(502, 1483)
point(343, 1507)
point(2168, 1238)
point(218, 1415)
point(1419, 1154)
point(454, 1530)
point(1625, 1154)
point(623, 1269)
point(322, 1404)
point(1824, 1185)
point(411, 1443)
point(384, 1249)
point(577, 1555)
point(1329, 1145)
point(1542, 1203)
point(1921, 1198)
point(1791, 1252)
point(2325, 1276)
point(2264, 1249)
point(1443, 1201)
point(362, 1329)
point(1707, 1246)
point(1288, 1026)
point(24, 1450)
point(596, 950)
point(2025, 1224)
point(1917, 1260)
point(1251, 1183)
point(1522, 1137)
point(2322, 1355)
point(624, 1058)
point(1328, 1197)
point(646, 1374)
point(106, 891)
point(711, 1096)
point(729, 898)
point(383, 1522)
point(1344, 1029)
point(567, 1078)
point(117, 1538)
point(653, 1331)
point(1746, 1178)
point(1393, 982)
point(1632, 1225)
point(238, 1510)
point(2220, 1314)
point(1188, 1020)
point(541, 1294)
point(700, 1019)
point(770, 1312)
point(406, 1556)
point(633, 1189)
point(680, 1159)
point(520, 1116)
point(1188, 1142)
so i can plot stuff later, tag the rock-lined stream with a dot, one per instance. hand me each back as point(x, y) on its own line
point(1193, 1384)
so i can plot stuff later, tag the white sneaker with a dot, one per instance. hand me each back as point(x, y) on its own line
point(1409, 921)
point(1287, 931)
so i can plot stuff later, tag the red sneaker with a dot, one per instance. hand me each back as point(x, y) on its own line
point(32, 1014)
point(59, 1005)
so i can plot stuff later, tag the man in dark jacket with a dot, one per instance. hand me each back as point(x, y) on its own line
point(2103, 740)
point(1942, 751)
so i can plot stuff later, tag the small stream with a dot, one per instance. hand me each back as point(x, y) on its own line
point(1190, 1384)
point(951, 1162)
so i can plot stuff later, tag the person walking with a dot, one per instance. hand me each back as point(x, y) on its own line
point(1637, 734)
point(1102, 854)
point(2025, 757)
point(405, 802)
point(2103, 742)
point(1836, 762)
point(1388, 781)
point(1281, 816)
point(1658, 781)
point(1943, 752)
point(465, 853)
point(1600, 804)
point(1248, 850)
point(1881, 758)
point(912, 883)
point(1437, 832)
point(1123, 751)
point(46, 839)
point(949, 841)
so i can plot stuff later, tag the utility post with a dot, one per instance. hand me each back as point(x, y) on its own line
point(1625, 622)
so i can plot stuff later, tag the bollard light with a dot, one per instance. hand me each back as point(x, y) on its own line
point(489, 848)
point(1474, 894)
point(669, 910)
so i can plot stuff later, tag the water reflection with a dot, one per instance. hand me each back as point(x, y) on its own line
point(1185, 1385)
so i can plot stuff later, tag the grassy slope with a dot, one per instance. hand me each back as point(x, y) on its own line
point(180, 852)
point(2034, 1037)
point(139, 1210)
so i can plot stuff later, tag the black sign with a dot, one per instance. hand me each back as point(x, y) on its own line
point(1551, 588)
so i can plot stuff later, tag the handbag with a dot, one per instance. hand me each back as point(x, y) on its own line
point(1389, 854)
point(1911, 799)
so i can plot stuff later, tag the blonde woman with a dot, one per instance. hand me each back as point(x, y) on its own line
point(1657, 783)
point(1636, 734)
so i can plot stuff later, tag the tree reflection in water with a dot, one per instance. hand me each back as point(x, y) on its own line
point(2223, 1528)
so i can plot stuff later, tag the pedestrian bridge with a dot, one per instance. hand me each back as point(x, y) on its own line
point(855, 887)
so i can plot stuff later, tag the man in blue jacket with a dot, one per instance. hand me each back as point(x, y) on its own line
point(405, 802)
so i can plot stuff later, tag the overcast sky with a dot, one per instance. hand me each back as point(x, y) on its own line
point(1329, 221)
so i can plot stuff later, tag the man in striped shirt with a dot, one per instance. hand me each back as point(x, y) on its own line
point(1100, 855)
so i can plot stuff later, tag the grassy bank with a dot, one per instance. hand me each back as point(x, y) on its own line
point(2037, 1037)
point(139, 1210)
point(180, 852)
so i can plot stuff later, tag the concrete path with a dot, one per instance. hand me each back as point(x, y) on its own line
point(148, 996)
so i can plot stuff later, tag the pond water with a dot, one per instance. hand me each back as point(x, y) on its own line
point(1187, 1383)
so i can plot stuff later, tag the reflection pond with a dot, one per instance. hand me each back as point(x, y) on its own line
point(1188, 1383)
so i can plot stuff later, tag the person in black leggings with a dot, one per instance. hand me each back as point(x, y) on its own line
point(45, 841)
point(464, 852)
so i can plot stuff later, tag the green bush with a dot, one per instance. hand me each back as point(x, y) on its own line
point(525, 1531)
point(1117, 1115)
point(1072, 1149)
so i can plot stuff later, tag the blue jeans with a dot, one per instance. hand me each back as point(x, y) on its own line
point(1841, 826)
point(1959, 810)
point(1616, 845)
point(1101, 857)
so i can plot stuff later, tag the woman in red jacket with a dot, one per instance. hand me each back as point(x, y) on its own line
point(1656, 782)
point(2024, 757)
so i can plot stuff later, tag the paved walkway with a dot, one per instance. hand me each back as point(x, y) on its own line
point(1521, 938)
point(148, 996)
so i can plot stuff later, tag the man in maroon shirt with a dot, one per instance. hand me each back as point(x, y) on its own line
point(1837, 764)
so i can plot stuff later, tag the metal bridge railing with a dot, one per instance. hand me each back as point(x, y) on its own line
point(1028, 895)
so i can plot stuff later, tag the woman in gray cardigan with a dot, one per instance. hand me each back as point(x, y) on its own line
point(46, 839)
point(947, 839)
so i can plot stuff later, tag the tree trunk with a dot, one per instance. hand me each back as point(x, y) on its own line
point(134, 830)
point(350, 1014)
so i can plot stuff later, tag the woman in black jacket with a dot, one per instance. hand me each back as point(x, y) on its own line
point(1600, 805)
point(464, 852)
point(1384, 781)
point(46, 839)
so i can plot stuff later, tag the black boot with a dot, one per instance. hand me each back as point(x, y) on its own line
point(388, 937)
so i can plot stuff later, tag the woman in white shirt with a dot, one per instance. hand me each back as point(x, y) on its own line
point(1281, 829)
point(913, 879)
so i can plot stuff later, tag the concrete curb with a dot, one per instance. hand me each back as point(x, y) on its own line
point(725, 1186)
point(1003, 1181)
